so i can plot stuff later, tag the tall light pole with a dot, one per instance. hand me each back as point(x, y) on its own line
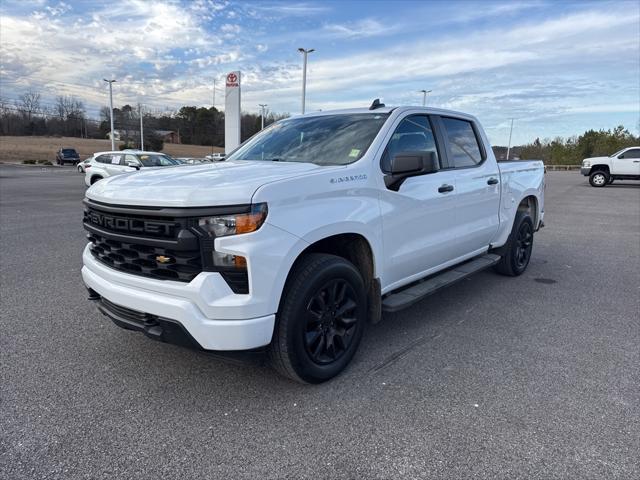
point(113, 140)
point(424, 96)
point(141, 128)
point(262, 111)
point(304, 72)
point(509, 147)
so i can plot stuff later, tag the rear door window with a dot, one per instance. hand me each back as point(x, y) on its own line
point(463, 142)
point(104, 159)
point(117, 159)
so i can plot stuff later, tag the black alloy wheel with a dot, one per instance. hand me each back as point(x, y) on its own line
point(516, 253)
point(331, 322)
point(321, 319)
point(524, 245)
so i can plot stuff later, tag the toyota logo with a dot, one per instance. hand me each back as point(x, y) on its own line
point(232, 78)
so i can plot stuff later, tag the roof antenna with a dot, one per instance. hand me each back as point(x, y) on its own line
point(376, 104)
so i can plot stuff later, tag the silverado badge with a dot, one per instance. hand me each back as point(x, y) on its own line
point(163, 259)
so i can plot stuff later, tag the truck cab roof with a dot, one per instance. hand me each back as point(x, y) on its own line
point(389, 109)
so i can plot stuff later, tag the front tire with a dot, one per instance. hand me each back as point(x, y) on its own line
point(599, 179)
point(320, 320)
point(518, 253)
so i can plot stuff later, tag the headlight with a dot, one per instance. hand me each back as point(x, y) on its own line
point(224, 225)
point(586, 163)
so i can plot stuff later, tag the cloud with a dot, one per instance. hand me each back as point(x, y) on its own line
point(230, 28)
point(367, 27)
point(539, 64)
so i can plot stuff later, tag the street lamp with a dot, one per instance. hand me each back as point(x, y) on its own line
point(510, 132)
point(262, 111)
point(424, 96)
point(304, 72)
point(113, 140)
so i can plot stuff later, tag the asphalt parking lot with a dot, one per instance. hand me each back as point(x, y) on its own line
point(532, 377)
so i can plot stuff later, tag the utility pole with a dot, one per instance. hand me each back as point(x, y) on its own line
point(424, 96)
point(113, 140)
point(262, 112)
point(214, 93)
point(141, 128)
point(509, 147)
point(304, 73)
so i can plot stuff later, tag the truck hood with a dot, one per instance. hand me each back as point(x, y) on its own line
point(222, 183)
point(597, 159)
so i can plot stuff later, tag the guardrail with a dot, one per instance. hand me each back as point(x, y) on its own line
point(562, 167)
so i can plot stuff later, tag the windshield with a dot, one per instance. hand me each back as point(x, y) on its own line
point(618, 153)
point(157, 160)
point(323, 140)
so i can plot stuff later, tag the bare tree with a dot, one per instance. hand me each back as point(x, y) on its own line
point(70, 112)
point(29, 104)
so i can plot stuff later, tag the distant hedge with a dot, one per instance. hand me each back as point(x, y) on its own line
point(573, 150)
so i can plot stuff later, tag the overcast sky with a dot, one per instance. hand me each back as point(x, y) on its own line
point(557, 67)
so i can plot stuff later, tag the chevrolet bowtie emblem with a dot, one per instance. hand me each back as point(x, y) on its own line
point(163, 259)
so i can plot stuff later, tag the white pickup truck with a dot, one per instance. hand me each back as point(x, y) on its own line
point(309, 230)
point(622, 165)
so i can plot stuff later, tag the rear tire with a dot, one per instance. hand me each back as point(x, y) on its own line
point(599, 178)
point(95, 179)
point(518, 253)
point(320, 320)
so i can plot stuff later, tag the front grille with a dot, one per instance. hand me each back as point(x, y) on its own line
point(181, 265)
point(139, 225)
point(163, 243)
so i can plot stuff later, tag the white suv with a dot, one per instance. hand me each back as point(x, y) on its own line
point(107, 164)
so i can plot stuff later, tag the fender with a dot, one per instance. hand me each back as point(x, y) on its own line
point(315, 236)
point(508, 209)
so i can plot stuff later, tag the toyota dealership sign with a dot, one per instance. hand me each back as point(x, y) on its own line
point(232, 112)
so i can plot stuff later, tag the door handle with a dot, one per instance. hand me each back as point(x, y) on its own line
point(492, 181)
point(636, 161)
point(445, 188)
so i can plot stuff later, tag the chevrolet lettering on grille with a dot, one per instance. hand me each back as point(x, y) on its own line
point(131, 225)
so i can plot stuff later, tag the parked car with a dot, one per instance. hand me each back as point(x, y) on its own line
point(309, 230)
point(107, 164)
point(622, 165)
point(67, 155)
point(83, 164)
point(216, 157)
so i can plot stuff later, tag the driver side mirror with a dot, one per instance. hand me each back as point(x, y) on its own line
point(410, 164)
point(133, 165)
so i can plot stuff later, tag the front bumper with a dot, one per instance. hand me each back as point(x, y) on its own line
point(175, 306)
point(586, 171)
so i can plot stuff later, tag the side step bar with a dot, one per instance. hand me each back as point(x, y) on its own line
point(406, 297)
